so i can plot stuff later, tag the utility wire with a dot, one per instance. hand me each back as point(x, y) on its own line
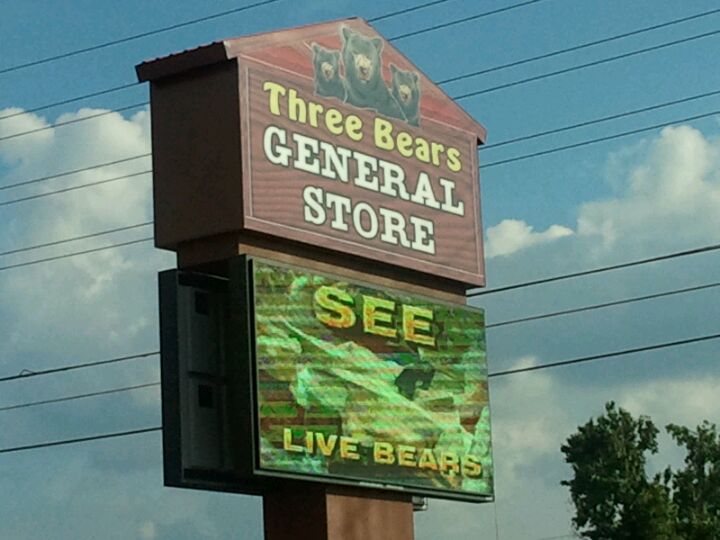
point(615, 354)
point(485, 166)
point(72, 188)
point(583, 66)
point(74, 121)
point(137, 84)
point(63, 442)
point(71, 100)
point(675, 255)
point(78, 396)
point(589, 142)
point(74, 238)
point(463, 20)
point(74, 171)
point(487, 90)
point(573, 361)
point(126, 39)
point(406, 10)
point(27, 374)
point(73, 254)
point(605, 305)
point(579, 47)
point(442, 81)
point(600, 120)
point(484, 148)
point(191, 22)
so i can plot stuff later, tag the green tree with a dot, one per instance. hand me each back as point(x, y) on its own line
point(614, 497)
point(696, 486)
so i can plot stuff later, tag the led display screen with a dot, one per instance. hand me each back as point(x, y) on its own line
point(358, 384)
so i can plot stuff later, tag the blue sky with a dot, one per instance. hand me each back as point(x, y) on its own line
point(624, 199)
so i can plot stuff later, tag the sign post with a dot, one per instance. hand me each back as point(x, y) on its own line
point(322, 196)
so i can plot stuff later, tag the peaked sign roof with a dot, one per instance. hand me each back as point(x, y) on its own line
point(292, 50)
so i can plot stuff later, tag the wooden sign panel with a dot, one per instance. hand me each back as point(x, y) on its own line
point(346, 145)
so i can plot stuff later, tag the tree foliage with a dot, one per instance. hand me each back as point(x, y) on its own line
point(614, 497)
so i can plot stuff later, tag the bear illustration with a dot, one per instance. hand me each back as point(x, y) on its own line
point(406, 92)
point(364, 84)
point(327, 72)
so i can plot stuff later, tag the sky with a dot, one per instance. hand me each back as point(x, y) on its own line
point(623, 199)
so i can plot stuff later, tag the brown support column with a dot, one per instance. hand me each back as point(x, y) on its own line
point(317, 513)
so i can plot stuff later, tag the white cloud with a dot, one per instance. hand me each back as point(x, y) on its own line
point(667, 192)
point(670, 194)
point(148, 531)
point(511, 235)
point(84, 307)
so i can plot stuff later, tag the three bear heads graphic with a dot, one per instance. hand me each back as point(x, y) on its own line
point(360, 82)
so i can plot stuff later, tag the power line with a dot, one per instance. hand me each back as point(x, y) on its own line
point(463, 96)
point(589, 142)
point(137, 84)
point(74, 121)
point(463, 20)
point(406, 10)
point(442, 81)
point(573, 361)
point(79, 440)
point(72, 188)
point(675, 255)
point(79, 396)
point(583, 66)
point(579, 47)
point(74, 171)
point(27, 374)
point(126, 39)
point(615, 354)
point(71, 100)
point(74, 238)
point(73, 254)
point(601, 119)
point(604, 305)
point(187, 23)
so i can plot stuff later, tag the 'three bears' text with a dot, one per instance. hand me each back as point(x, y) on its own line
point(386, 136)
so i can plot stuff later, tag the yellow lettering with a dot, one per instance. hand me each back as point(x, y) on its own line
point(437, 149)
point(336, 307)
point(383, 453)
point(288, 445)
point(406, 455)
point(422, 150)
point(314, 110)
point(383, 134)
point(353, 127)
point(416, 325)
point(333, 121)
point(378, 310)
point(348, 448)
point(453, 160)
point(326, 447)
point(471, 466)
point(405, 144)
point(449, 463)
point(427, 460)
point(276, 90)
point(297, 110)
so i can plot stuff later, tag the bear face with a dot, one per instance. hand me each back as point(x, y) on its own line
point(361, 57)
point(328, 82)
point(364, 84)
point(406, 92)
